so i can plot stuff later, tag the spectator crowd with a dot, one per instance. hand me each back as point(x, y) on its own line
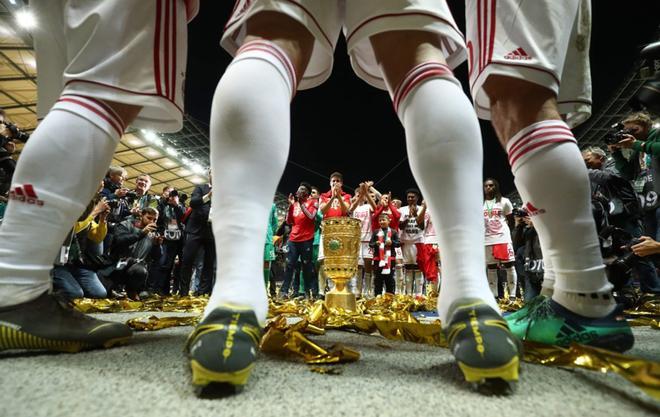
point(135, 243)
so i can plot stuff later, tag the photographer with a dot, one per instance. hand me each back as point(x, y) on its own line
point(76, 276)
point(9, 133)
point(170, 227)
point(636, 133)
point(625, 211)
point(528, 249)
point(135, 244)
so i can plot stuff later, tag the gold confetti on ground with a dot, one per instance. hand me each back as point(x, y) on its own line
point(391, 316)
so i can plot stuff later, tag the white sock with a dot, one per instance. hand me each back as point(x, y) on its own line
point(445, 151)
point(59, 171)
point(511, 281)
point(249, 149)
point(552, 180)
point(491, 273)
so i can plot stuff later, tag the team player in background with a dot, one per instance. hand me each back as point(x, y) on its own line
point(411, 234)
point(361, 210)
point(529, 74)
point(430, 253)
point(281, 46)
point(92, 84)
point(499, 248)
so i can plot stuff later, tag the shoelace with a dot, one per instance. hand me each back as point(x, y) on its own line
point(540, 310)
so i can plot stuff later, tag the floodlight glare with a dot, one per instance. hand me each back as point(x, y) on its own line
point(25, 19)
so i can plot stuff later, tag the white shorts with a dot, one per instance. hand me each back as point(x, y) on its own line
point(491, 260)
point(409, 251)
point(366, 251)
point(131, 52)
point(542, 41)
point(359, 19)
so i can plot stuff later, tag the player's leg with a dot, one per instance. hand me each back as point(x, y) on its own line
point(444, 147)
point(249, 147)
point(552, 179)
point(60, 169)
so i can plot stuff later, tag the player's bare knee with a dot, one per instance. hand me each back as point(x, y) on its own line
point(412, 48)
point(126, 112)
point(285, 32)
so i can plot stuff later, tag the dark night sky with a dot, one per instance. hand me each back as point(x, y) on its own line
point(347, 114)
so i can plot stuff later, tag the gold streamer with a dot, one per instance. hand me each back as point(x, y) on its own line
point(157, 323)
point(645, 374)
point(391, 317)
point(153, 303)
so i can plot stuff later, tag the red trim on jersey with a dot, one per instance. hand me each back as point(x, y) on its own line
point(173, 79)
point(575, 101)
point(266, 46)
point(311, 16)
point(491, 41)
point(512, 64)
point(103, 105)
point(95, 110)
point(124, 90)
point(166, 49)
point(371, 19)
point(157, 48)
point(481, 31)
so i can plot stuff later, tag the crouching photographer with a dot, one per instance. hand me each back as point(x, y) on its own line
point(619, 224)
point(74, 274)
point(135, 244)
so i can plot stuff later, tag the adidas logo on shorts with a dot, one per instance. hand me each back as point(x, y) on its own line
point(518, 55)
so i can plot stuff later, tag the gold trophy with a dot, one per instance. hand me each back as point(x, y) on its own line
point(341, 244)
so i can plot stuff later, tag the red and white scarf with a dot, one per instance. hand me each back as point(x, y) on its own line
point(384, 254)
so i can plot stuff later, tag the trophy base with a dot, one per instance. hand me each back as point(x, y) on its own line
point(341, 299)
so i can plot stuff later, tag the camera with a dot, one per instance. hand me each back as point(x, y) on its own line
point(520, 212)
point(616, 134)
point(131, 195)
point(16, 134)
point(618, 255)
point(113, 204)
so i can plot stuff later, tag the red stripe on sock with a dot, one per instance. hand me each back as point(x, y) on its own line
point(109, 110)
point(281, 56)
point(536, 133)
point(95, 110)
point(415, 77)
point(536, 145)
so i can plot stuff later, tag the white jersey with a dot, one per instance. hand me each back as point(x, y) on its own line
point(409, 230)
point(127, 52)
point(359, 20)
point(497, 229)
point(542, 41)
point(363, 213)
